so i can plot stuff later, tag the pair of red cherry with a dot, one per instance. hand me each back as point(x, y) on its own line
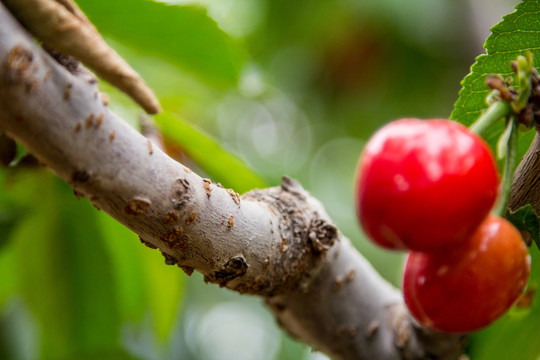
point(428, 187)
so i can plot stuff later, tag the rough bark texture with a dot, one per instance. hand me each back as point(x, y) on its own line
point(526, 184)
point(277, 243)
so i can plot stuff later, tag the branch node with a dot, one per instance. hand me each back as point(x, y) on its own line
point(322, 235)
point(234, 268)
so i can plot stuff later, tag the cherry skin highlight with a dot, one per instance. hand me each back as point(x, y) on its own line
point(468, 287)
point(424, 184)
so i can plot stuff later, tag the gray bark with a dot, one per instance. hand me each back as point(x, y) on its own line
point(277, 243)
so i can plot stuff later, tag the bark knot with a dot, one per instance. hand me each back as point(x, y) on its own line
point(235, 267)
point(322, 235)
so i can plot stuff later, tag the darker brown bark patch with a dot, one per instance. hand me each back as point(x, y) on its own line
point(175, 239)
point(67, 91)
point(191, 218)
point(8, 150)
point(80, 177)
point(170, 218)
point(89, 121)
point(169, 259)
point(172, 235)
point(180, 196)
point(207, 183)
point(305, 237)
point(19, 61)
point(67, 61)
point(234, 195)
point(136, 206)
point(283, 246)
point(322, 235)
point(99, 120)
point(235, 267)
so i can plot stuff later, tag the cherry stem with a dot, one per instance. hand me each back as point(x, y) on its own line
point(495, 111)
point(509, 166)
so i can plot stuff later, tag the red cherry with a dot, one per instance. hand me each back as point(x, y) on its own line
point(466, 288)
point(423, 184)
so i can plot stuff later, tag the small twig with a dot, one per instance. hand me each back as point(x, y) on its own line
point(495, 112)
point(61, 25)
point(151, 132)
point(510, 137)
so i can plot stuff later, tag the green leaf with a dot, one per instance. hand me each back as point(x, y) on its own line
point(8, 220)
point(518, 33)
point(164, 289)
point(144, 282)
point(123, 246)
point(183, 35)
point(525, 219)
point(64, 273)
point(220, 164)
point(8, 284)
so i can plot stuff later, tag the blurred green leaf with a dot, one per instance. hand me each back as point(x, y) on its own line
point(518, 33)
point(164, 289)
point(115, 354)
point(8, 219)
point(14, 204)
point(8, 283)
point(143, 280)
point(65, 275)
point(123, 246)
point(184, 35)
point(220, 164)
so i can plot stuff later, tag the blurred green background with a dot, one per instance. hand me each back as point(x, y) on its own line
point(274, 88)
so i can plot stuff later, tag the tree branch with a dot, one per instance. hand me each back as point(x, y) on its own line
point(277, 243)
point(526, 183)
